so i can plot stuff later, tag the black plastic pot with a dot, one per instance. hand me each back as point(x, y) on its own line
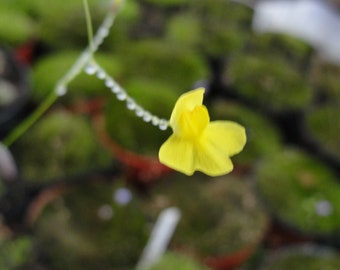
point(14, 89)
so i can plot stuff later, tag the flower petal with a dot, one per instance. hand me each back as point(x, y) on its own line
point(227, 136)
point(193, 123)
point(186, 102)
point(178, 154)
point(211, 160)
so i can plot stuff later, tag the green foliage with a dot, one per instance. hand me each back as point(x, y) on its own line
point(184, 29)
point(16, 27)
point(74, 234)
point(305, 257)
point(171, 64)
point(294, 185)
point(14, 253)
point(60, 144)
point(172, 261)
point(269, 81)
point(324, 125)
point(219, 217)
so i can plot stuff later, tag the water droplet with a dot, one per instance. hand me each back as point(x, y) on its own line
point(163, 124)
point(147, 117)
point(101, 74)
point(121, 95)
point(122, 196)
point(61, 90)
point(130, 104)
point(109, 83)
point(90, 69)
point(105, 212)
point(323, 208)
point(115, 89)
point(139, 111)
point(155, 120)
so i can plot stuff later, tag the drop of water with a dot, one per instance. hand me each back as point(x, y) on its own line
point(139, 111)
point(155, 120)
point(61, 90)
point(122, 196)
point(90, 69)
point(105, 212)
point(147, 117)
point(109, 83)
point(130, 104)
point(163, 124)
point(323, 208)
point(101, 74)
point(121, 95)
point(116, 90)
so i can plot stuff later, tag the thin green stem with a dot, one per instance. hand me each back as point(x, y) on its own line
point(22, 128)
point(89, 25)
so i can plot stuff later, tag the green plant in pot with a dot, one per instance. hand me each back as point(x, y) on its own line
point(301, 257)
point(269, 80)
point(60, 144)
point(323, 127)
point(173, 260)
point(15, 252)
point(301, 192)
point(97, 225)
point(220, 217)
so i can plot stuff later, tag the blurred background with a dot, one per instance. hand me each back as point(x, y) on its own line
point(82, 188)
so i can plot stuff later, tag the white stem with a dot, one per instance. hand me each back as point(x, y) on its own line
point(160, 238)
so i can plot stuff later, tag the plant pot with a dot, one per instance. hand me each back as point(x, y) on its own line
point(14, 90)
point(301, 257)
point(301, 192)
point(222, 222)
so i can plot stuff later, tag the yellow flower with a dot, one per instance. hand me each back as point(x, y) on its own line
point(197, 143)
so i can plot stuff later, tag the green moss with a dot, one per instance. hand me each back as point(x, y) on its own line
point(55, 19)
point(262, 136)
point(326, 81)
point(305, 257)
point(324, 126)
point(15, 253)
point(172, 261)
point(89, 229)
point(15, 26)
point(59, 144)
point(294, 49)
point(174, 65)
point(270, 81)
point(168, 3)
point(225, 25)
point(184, 29)
point(219, 216)
point(300, 191)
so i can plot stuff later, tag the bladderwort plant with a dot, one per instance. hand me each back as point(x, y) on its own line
point(204, 146)
point(86, 62)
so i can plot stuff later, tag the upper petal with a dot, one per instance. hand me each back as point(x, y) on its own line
point(228, 136)
point(192, 123)
point(178, 154)
point(186, 102)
